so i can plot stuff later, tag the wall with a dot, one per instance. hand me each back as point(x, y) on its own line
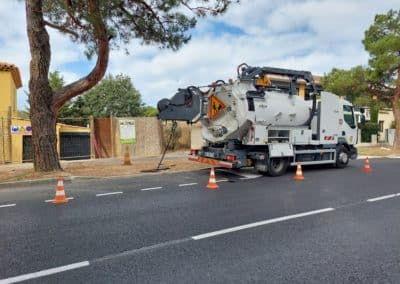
point(148, 138)
point(7, 91)
point(385, 115)
point(16, 140)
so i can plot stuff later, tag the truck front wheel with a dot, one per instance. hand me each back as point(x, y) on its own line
point(277, 166)
point(342, 157)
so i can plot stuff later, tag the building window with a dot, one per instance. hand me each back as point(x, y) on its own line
point(381, 125)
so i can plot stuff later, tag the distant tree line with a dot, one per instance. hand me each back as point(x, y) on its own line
point(113, 96)
point(378, 84)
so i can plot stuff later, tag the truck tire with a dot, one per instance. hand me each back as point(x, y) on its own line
point(277, 166)
point(342, 157)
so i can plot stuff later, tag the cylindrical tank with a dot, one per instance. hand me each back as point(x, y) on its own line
point(233, 108)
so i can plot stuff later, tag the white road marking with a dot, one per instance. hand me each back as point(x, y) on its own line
point(187, 184)
point(109, 193)
point(50, 200)
point(46, 272)
point(7, 205)
point(382, 197)
point(260, 223)
point(151, 188)
point(249, 176)
point(222, 180)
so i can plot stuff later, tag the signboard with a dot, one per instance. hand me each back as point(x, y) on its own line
point(215, 107)
point(21, 129)
point(127, 131)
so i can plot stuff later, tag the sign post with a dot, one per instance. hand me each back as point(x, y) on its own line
point(127, 132)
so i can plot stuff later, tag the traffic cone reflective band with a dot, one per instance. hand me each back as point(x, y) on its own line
point(60, 194)
point(367, 167)
point(212, 183)
point(299, 172)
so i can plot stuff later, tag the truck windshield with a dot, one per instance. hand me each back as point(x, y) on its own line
point(348, 115)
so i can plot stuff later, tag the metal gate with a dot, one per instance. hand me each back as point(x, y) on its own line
point(74, 145)
point(27, 149)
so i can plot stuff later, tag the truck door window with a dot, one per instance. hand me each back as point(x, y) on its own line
point(349, 116)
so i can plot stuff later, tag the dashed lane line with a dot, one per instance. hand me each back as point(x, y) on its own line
point(109, 193)
point(222, 180)
point(383, 197)
point(187, 184)
point(151, 188)
point(7, 205)
point(260, 223)
point(45, 272)
point(50, 200)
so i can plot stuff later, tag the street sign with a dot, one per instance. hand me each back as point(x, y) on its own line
point(127, 131)
point(216, 106)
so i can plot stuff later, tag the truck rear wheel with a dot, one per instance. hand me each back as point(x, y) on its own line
point(277, 166)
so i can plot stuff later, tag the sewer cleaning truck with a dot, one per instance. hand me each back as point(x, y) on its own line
point(252, 122)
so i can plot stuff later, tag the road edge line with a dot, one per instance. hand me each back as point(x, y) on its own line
point(260, 223)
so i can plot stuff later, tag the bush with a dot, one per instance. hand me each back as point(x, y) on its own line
point(368, 129)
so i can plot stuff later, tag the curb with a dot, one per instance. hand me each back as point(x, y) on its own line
point(9, 184)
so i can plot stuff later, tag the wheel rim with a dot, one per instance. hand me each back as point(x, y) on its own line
point(343, 157)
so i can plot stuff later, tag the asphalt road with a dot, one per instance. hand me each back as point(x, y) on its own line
point(336, 226)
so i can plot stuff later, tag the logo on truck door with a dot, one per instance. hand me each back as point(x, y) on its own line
point(215, 107)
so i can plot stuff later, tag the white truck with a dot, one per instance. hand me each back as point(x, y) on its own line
point(249, 122)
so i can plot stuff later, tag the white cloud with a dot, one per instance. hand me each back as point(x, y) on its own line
point(314, 35)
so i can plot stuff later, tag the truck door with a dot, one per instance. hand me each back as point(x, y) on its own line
point(348, 124)
point(329, 118)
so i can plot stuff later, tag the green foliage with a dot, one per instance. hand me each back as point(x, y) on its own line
point(150, 111)
point(351, 83)
point(162, 22)
point(23, 114)
point(113, 96)
point(382, 41)
point(368, 129)
point(56, 81)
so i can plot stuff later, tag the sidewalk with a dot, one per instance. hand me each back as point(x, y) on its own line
point(175, 161)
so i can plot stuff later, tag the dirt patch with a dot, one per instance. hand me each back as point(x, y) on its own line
point(101, 168)
point(377, 151)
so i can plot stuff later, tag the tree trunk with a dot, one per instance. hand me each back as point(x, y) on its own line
point(41, 97)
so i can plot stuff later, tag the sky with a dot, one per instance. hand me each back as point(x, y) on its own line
point(314, 35)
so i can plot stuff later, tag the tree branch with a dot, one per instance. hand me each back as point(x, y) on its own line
point(98, 71)
point(155, 15)
point(68, 9)
point(61, 29)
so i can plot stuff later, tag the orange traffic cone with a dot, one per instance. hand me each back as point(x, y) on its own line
point(60, 194)
point(299, 172)
point(212, 183)
point(367, 167)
